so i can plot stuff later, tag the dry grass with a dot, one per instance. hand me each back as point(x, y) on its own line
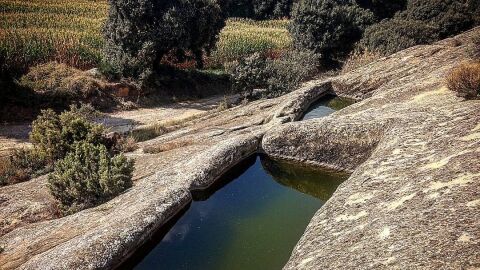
point(464, 80)
point(127, 144)
point(359, 59)
point(59, 78)
point(168, 146)
point(152, 131)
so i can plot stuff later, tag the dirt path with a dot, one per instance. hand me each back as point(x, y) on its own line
point(16, 135)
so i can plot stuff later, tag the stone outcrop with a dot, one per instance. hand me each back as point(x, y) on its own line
point(413, 199)
point(411, 202)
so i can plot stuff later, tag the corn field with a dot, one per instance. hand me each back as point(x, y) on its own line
point(242, 37)
point(70, 32)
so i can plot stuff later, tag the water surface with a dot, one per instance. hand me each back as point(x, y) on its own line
point(327, 105)
point(250, 219)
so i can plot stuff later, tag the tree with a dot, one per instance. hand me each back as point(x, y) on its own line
point(422, 22)
point(139, 33)
point(328, 27)
point(451, 17)
point(383, 8)
point(390, 36)
point(270, 9)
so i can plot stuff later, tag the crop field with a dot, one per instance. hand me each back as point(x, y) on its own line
point(38, 31)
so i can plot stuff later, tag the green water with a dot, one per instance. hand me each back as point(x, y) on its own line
point(326, 106)
point(251, 220)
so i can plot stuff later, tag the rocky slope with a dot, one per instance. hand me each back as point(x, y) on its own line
point(412, 200)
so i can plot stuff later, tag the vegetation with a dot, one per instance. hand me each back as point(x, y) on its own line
point(62, 85)
point(383, 8)
point(422, 22)
point(258, 9)
point(359, 58)
point(140, 33)
point(88, 176)
point(241, 38)
point(394, 35)
point(52, 136)
point(329, 27)
point(464, 80)
point(277, 76)
point(33, 32)
point(37, 32)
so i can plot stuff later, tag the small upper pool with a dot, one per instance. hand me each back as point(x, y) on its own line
point(327, 105)
point(251, 220)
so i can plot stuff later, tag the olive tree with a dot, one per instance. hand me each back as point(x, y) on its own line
point(140, 33)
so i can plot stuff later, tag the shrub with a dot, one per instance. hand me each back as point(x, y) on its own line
point(53, 135)
point(383, 8)
point(450, 17)
point(59, 84)
point(270, 9)
point(257, 9)
point(289, 70)
point(390, 36)
point(275, 76)
point(328, 27)
point(21, 165)
point(88, 176)
point(139, 33)
point(464, 80)
point(422, 22)
point(249, 73)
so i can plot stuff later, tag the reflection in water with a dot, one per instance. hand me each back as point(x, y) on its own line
point(326, 106)
point(306, 179)
point(250, 220)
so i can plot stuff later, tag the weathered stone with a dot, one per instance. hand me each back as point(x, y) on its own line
point(413, 148)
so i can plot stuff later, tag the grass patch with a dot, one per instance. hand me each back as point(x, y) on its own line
point(150, 132)
point(243, 37)
point(168, 146)
point(464, 80)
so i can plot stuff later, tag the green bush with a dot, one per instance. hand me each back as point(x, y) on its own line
point(257, 9)
point(383, 8)
point(328, 27)
point(390, 36)
point(450, 17)
point(422, 22)
point(53, 135)
point(289, 70)
point(249, 73)
point(88, 176)
point(274, 76)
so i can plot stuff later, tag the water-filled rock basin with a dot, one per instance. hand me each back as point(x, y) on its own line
point(250, 219)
